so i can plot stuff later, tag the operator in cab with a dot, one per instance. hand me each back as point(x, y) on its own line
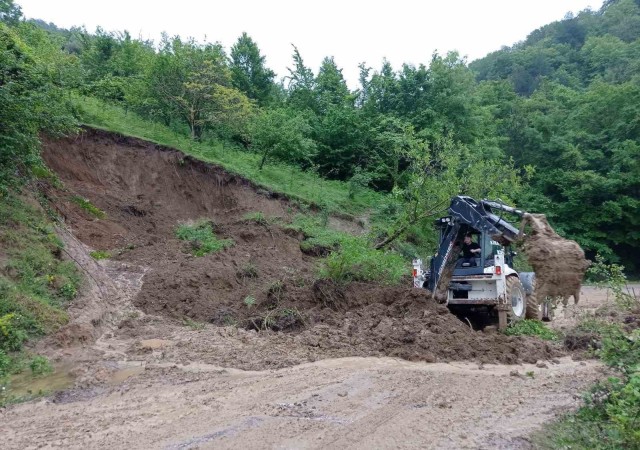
point(470, 251)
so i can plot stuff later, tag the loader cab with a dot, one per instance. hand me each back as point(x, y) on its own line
point(488, 246)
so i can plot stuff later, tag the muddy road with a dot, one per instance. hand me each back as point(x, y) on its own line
point(162, 352)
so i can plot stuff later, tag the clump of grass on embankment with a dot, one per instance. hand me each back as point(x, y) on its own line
point(201, 238)
point(89, 207)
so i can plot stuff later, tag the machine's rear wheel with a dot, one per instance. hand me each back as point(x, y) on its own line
point(533, 308)
point(516, 299)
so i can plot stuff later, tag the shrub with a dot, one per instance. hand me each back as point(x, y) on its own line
point(610, 417)
point(40, 365)
point(5, 364)
point(249, 301)
point(357, 261)
point(530, 328)
point(100, 254)
point(12, 335)
point(202, 238)
point(611, 276)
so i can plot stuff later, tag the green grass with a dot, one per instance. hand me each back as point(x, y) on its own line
point(36, 283)
point(255, 217)
point(201, 238)
point(308, 187)
point(350, 258)
point(529, 327)
point(89, 207)
point(100, 254)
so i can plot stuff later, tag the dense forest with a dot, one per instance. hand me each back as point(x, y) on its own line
point(551, 124)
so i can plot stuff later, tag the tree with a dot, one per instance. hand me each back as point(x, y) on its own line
point(330, 87)
point(248, 71)
point(300, 85)
point(192, 83)
point(30, 103)
point(439, 171)
point(10, 13)
point(282, 134)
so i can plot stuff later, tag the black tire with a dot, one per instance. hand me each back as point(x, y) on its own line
point(533, 308)
point(516, 299)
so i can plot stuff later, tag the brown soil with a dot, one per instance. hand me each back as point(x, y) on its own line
point(559, 263)
point(146, 191)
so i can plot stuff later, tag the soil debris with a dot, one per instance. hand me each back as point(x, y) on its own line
point(260, 295)
point(559, 263)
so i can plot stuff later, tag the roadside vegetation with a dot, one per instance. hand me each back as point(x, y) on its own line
point(610, 416)
point(36, 284)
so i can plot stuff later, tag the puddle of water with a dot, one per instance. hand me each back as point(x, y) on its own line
point(127, 369)
point(25, 384)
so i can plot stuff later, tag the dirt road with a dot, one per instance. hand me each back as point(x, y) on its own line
point(338, 403)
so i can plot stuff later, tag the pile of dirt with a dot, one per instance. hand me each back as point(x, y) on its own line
point(559, 263)
point(263, 286)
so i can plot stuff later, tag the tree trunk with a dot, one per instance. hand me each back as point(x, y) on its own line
point(264, 159)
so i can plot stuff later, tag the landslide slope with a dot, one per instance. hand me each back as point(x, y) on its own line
point(261, 295)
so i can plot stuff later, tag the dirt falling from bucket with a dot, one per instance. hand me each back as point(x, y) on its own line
point(559, 263)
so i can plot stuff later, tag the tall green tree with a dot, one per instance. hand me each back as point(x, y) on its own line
point(300, 85)
point(249, 73)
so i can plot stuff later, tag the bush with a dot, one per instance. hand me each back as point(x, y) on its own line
point(256, 217)
point(100, 254)
point(530, 328)
point(40, 365)
point(5, 364)
point(357, 261)
point(202, 238)
point(12, 335)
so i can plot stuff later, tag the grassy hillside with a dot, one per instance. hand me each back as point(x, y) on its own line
point(306, 186)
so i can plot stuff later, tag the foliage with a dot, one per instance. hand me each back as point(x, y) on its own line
point(195, 326)
point(248, 71)
point(32, 102)
point(440, 171)
point(201, 237)
point(256, 217)
point(100, 254)
point(249, 301)
point(283, 135)
point(565, 101)
point(611, 276)
point(35, 283)
point(40, 365)
point(5, 365)
point(89, 207)
point(355, 260)
point(248, 270)
point(530, 328)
